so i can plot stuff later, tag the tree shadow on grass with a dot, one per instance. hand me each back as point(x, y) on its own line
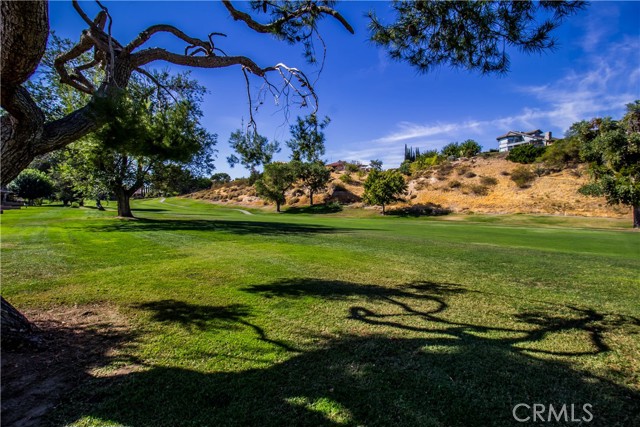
point(421, 209)
point(448, 373)
point(225, 226)
point(315, 209)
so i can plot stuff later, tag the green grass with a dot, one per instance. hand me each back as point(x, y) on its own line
point(341, 318)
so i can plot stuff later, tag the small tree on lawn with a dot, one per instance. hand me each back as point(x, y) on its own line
point(612, 149)
point(32, 184)
point(382, 188)
point(314, 177)
point(276, 179)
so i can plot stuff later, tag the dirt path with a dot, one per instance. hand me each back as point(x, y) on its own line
point(72, 342)
point(243, 211)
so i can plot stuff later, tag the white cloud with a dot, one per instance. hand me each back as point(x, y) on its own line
point(601, 85)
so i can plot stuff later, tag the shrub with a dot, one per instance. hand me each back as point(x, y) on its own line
point(424, 161)
point(469, 148)
point(464, 169)
point(75, 205)
point(539, 170)
point(293, 200)
point(505, 173)
point(451, 150)
point(405, 168)
point(522, 176)
point(488, 180)
point(479, 190)
point(470, 175)
point(562, 153)
point(32, 184)
point(525, 154)
point(346, 178)
point(455, 184)
point(352, 167)
point(361, 173)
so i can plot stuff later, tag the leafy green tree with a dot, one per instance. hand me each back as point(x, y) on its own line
point(469, 148)
point(469, 35)
point(612, 149)
point(307, 142)
point(452, 149)
point(376, 164)
point(276, 179)
point(254, 150)
point(314, 177)
point(220, 178)
point(172, 179)
point(32, 185)
point(525, 153)
point(562, 153)
point(150, 129)
point(382, 188)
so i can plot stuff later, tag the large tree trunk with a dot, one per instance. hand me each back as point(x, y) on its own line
point(310, 198)
point(277, 206)
point(16, 329)
point(636, 216)
point(124, 206)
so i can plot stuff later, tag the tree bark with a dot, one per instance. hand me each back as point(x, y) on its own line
point(383, 212)
point(124, 206)
point(277, 206)
point(636, 216)
point(16, 329)
point(310, 198)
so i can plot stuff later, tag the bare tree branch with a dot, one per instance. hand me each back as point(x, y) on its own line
point(145, 35)
point(272, 27)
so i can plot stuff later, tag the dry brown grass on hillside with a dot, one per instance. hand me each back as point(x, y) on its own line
point(556, 193)
point(475, 185)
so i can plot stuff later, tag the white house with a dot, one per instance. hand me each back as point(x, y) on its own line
point(513, 138)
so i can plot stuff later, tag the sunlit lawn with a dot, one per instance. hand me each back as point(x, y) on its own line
point(338, 319)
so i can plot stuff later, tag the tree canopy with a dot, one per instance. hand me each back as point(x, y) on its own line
point(612, 149)
point(382, 188)
point(276, 179)
point(254, 150)
point(307, 139)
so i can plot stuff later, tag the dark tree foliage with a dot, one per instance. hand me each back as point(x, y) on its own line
point(472, 35)
point(612, 149)
point(382, 188)
point(470, 148)
point(220, 178)
point(32, 184)
point(307, 142)
point(525, 154)
point(314, 177)
point(276, 179)
point(254, 150)
point(376, 164)
point(411, 153)
point(452, 149)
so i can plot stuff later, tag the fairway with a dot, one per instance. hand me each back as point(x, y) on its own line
point(227, 317)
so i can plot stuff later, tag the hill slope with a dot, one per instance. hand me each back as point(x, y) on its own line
point(482, 185)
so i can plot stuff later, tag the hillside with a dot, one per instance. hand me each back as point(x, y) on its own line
point(481, 185)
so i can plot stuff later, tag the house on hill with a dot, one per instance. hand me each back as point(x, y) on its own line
point(513, 138)
point(337, 166)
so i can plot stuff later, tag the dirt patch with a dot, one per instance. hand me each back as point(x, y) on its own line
point(72, 341)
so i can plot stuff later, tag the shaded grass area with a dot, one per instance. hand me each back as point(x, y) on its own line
point(334, 320)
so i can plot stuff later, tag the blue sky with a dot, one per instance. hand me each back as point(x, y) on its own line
point(377, 105)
